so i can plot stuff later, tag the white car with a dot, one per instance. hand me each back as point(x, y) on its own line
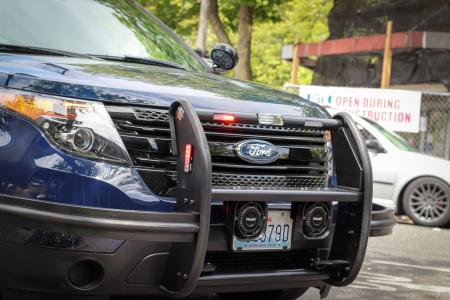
point(416, 184)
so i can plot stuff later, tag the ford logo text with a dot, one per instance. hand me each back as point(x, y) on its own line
point(256, 151)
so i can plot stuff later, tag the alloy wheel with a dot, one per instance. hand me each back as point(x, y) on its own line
point(429, 202)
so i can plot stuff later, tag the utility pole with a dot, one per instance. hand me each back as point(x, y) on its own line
point(295, 61)
point(387, 57)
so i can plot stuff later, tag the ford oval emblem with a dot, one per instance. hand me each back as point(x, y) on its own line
point(257, 152)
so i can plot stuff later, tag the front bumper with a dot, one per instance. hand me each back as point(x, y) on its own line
point(165, 252)
point(136, 264)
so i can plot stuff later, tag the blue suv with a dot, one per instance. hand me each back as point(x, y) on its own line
point(130, 166)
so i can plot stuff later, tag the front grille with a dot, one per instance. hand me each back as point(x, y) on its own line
point(233, 262)
point(303, 162)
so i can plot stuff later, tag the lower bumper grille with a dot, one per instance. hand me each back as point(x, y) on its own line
point(223, 180)
point(226, 262)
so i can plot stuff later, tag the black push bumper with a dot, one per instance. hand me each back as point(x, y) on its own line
point(152, 232)
point(165, 252)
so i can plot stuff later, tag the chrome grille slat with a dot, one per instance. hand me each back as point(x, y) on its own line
point(208, 125)
point(249, 136)
point(287, 167)
point(263, 167)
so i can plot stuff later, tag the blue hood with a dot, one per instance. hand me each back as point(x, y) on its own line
point(118, 82)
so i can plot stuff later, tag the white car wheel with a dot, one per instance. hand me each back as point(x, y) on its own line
point(427, 201)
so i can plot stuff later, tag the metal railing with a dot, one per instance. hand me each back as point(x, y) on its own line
point(434, 135)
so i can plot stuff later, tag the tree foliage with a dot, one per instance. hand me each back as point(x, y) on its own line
point(180, 15)
point(306, 18)
point(275, 23)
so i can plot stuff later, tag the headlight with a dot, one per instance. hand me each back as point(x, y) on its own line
point(78, 127)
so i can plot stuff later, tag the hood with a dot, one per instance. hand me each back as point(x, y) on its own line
point(130, 83)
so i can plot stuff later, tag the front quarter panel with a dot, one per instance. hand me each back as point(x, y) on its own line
point(31, 168)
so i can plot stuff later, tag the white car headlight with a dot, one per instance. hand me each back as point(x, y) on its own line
point(78, 127)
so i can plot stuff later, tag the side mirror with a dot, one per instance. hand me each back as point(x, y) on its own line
point(374, 146)
point(224, 57)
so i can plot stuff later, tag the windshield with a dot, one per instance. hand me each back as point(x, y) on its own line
point(98, 27)
point(394, 138)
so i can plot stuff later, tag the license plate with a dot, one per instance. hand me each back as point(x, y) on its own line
point(277, 236)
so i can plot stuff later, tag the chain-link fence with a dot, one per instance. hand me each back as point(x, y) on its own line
point(434, 135)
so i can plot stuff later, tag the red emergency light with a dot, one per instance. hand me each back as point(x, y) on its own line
point(187, 158)
point(224, 117)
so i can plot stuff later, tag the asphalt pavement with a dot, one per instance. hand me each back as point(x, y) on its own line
point(412, 263)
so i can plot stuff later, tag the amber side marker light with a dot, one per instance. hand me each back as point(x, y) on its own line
point(34, 107)
point(328, 135)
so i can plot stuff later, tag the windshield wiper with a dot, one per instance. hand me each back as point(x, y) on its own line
point(46, 51)
point(42, 51)
point(140, 60)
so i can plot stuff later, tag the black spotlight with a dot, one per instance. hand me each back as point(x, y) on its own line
point(224, 57)
point(247, 220)
point(316, 219)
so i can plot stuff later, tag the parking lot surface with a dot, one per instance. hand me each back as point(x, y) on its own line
point(412, 263)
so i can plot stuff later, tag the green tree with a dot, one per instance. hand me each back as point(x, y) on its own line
point(240, 16)
point(306, 18)
point(180, 15)
point(273, 23)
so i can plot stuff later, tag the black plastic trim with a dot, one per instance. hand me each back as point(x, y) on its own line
point(283, 195)
point(350, 240)
point(185, 262)
point(95, 222)
point(261, 280)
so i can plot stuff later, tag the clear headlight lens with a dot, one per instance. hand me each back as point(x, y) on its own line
point(78, 127)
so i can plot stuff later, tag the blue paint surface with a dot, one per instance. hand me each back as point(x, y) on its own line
point(30, 167)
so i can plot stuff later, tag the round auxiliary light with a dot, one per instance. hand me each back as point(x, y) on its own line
point(250, 221)
point(316, 219)
point(83, 139)
point(224, 56)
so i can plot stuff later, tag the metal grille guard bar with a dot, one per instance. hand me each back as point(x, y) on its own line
point(194, 194)
point(353, 170)
point(185, 261)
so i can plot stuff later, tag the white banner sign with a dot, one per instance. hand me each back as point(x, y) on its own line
point(397, 110)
